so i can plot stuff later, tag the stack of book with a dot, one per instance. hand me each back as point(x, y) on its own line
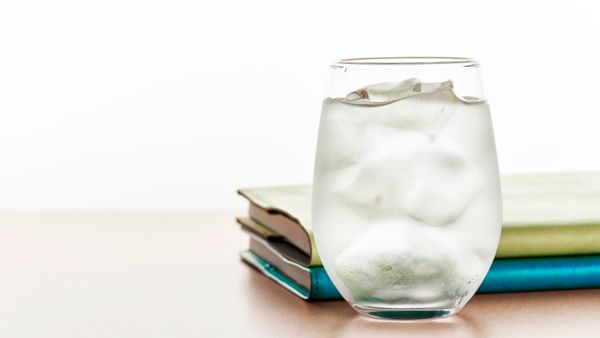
point(550, 236)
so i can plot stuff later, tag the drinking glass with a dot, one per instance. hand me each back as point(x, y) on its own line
point(406, 205)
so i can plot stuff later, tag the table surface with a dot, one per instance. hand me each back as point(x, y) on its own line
point(177, 274)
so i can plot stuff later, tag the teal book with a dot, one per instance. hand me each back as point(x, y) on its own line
point(319, 288)
point(542, 273)
point(505, 275)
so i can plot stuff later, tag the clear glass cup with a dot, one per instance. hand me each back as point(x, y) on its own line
point(406, 205)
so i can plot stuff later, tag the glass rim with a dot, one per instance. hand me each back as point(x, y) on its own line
point(408, 61)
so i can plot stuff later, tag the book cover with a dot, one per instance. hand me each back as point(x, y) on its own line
point(550, 214)
point(542, 273)
point(505, 275)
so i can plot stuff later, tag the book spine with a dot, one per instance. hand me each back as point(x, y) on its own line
point(322, 287)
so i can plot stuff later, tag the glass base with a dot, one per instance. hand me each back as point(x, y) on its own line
point(407, 314)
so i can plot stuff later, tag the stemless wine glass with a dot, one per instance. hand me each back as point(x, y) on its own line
point(406, 205)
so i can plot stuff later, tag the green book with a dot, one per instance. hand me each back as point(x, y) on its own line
point(546, 214)
point(551, 214)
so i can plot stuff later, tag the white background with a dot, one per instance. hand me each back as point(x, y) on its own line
point(172, 104)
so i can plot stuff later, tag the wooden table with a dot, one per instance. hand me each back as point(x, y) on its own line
point(177, 274)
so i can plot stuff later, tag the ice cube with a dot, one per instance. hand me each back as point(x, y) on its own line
point(440, 183)
point(387, 92)
point(403, 259)
point(375, 183)
point(426, 113)
point(384, 92)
